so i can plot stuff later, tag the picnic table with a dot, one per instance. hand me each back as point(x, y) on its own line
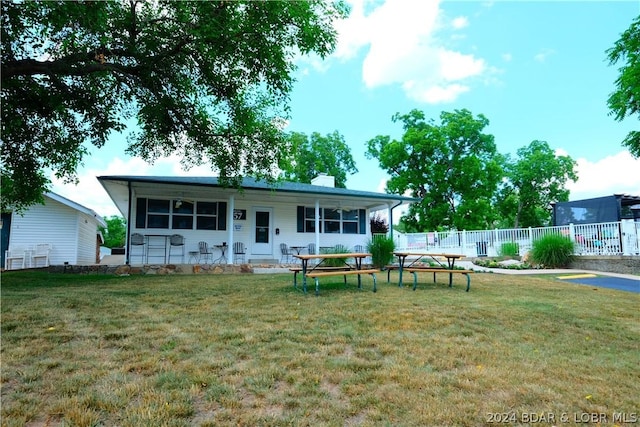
point(320, 269)
point(438, 258)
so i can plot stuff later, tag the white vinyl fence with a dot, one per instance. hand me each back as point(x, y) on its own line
point(609, 238)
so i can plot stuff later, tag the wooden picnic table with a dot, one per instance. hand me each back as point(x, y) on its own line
point(355, 267)
point(402, 259)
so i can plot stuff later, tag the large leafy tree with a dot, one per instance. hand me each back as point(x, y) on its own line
point(452, 166)
point(625, 100)
point(535, 179)
point(310, 156)
point(207, 80)
point(115, 233)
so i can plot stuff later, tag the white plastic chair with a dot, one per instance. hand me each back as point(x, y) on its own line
point(12, 255)
point(41, 252)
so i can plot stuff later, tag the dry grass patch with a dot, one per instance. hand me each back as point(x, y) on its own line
point(250, 350)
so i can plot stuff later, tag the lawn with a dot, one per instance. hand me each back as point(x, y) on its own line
point(250, 350)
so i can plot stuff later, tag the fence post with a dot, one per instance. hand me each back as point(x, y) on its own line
point(530, 237)
point(464, 242)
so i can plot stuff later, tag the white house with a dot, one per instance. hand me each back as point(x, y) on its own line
point(259, 215)
point(69, 228)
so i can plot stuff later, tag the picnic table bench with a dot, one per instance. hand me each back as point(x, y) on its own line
point(316, 274)
point(297, 270)
point(417, 270)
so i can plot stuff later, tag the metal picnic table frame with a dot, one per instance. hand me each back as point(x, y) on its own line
point(402, 258)
point(304, 259)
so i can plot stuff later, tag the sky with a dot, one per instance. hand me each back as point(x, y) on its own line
point(536, 70)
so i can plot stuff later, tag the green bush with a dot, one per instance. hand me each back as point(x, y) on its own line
point(552, 250)
point(381, 249)
point(336, 262)
point(510, 249)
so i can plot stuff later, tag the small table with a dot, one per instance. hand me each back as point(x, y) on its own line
point(402, 257)
point(298, 249)
point(157, 246)
point(195, 256)
point(223, 254)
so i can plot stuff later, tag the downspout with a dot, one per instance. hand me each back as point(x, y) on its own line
point(391, 218)
point(126, 260)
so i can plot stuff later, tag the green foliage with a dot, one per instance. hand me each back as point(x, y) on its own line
point(310, 156)
point(452, 166)
point(336, 262)
point(115, 233)
point(625, 100)
point(534, 180)
point(207, 81)
point(379, 225)
point(552, 251)
point(381, 249)
point(510, 249)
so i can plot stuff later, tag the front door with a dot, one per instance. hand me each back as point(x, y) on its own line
point(262, 232)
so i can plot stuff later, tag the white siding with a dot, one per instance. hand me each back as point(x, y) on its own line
point(52, 223)
point(71, 233)
point(87, 231)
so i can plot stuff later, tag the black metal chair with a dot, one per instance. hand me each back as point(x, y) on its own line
point(137, 240)
point(238, 251)
point(285, 253)
point(205, 252)
point(177, 241)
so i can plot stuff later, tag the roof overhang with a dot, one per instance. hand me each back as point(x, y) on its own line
point(208, 188)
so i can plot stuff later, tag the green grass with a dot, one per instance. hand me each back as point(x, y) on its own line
point(250, 350)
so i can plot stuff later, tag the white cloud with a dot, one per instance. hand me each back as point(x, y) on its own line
point(404, 49)
point(460, 22)
point(544, 54)
point(615, 174)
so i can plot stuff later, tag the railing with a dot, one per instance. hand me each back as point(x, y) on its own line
point(609, 238)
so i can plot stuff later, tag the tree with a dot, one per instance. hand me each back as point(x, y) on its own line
point(115, 233)
point(534, 180)
point(206, 80)
point(309, 157)
point(452, 166)
point(625, 100)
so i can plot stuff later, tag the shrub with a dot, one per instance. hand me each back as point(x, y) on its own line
point(552, 250)
point(381, 249)
point(510, 249)
point(336, 262)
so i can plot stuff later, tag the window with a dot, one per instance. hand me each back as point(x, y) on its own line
point(180, 214)
point(332, 220)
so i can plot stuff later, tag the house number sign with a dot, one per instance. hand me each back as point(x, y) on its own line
point(239, 214)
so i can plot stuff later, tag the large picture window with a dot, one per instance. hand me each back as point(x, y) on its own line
point(332, 220)
point(180, 215)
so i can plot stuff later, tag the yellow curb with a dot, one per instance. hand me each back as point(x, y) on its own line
point(577, 276)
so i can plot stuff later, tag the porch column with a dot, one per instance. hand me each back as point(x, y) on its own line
point(231, 226)
point(317, 226)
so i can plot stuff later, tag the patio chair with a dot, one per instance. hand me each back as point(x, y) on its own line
point(285, 253)
point(138, 241)
point(311, 248)
point(205, 252)
point(177, 241)
point(41, 252)
point(238, 251)
point(13, 255)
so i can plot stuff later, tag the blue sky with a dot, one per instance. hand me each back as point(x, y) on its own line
point(536, 70)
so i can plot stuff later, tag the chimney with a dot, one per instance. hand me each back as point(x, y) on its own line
point(324, 180)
